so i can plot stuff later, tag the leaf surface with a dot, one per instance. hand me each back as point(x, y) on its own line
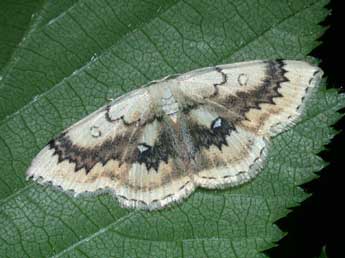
point(79, 53)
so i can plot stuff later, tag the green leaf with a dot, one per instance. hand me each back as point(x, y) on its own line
point(75, 54)
point(18, 20)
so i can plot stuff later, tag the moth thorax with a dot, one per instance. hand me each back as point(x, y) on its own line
point(169, 104)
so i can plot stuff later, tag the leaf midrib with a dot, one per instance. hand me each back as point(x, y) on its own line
point(30, 29)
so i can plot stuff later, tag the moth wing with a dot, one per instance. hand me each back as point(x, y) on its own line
point(237, 162)
point(259, 99)
point(103, 125)
point(267, 96)
point(103, 152)
point(224, 153)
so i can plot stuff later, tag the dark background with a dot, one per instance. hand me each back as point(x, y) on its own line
point(316, 223)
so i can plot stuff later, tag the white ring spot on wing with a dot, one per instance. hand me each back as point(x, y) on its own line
point(95, 131)
point(242, 79)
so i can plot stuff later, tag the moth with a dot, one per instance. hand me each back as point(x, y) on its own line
point(207, 128)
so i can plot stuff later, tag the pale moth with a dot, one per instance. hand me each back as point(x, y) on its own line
point(207, 128)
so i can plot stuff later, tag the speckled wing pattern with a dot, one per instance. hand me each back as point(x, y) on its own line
point(207, 128)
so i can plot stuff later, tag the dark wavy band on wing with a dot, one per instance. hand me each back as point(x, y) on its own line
point(265, 92)
point(87, 158)
point(115, 149)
